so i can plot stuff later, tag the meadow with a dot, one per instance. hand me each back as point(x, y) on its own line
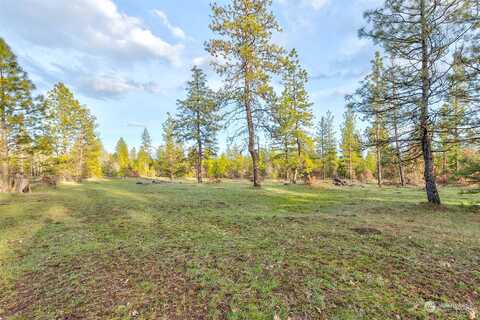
point(114, 249)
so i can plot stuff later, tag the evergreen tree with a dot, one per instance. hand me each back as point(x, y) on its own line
point(453, 120)
point(283, 133)
point(245, 57)
point(326, 145)
point(294, 111)
point(16, 106)
point(70, 132)
point(350, 144)
point(146, 143)
point(198, 119)
point(420, 33)
point(373, 100)
point(171, 158)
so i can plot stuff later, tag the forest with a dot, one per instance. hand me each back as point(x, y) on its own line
point(252, 207)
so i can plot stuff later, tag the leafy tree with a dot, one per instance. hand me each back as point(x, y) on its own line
point(16, 106)
point(121, 153)
point(327, 145)
point(198, 119)
point(219, 167)
point(245, 57)
point(421, 34)
point(237, 162)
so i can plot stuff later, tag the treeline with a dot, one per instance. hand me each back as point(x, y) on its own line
point(45, 136)
point(422, 108)
point(420, 104)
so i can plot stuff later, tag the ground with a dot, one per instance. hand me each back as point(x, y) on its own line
point(117, 250)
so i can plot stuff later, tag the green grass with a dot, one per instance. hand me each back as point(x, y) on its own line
point(117, 250)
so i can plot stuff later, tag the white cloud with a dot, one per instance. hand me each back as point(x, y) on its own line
point(134, 124)
point(114, 85)
point(176, 31)
point(201, 61)
point(315, 4)
point(95, 27)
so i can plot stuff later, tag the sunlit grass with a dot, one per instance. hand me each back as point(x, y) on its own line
point(117, 250)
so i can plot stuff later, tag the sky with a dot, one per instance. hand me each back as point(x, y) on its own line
point(129, 60)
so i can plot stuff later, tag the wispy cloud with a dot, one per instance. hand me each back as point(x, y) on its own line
point(315, 4)
point(174, 30)
point(136, 125)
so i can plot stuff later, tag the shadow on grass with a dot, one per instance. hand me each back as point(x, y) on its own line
point(117, 249)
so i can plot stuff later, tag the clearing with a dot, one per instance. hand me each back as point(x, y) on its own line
point(117, 250)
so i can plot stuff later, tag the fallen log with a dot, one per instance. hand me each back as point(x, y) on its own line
point(339, 182)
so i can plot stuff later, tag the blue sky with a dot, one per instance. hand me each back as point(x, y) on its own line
point(129, 60)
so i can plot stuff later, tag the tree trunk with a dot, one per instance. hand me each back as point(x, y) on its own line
point(251, 146)
point(445, 167)
point(251, 130)
point(4, 167)
point(399, 151)
point(379, 158)
point(429, 173)
point(299, 154)
point(199, 159)
point(199, 166)
point(350, 162)
point(286, 162)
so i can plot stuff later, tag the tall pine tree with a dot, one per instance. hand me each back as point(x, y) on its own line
point(327, 145)
point(198, 118)
point(15, 107)
point(421, 34)
point(350, 144)
point(245, 57)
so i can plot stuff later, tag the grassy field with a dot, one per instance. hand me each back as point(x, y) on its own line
point(117, 250)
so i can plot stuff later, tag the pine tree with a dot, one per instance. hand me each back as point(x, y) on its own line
point(394, 122)
point(326, 145)
point(350, 144)
point(295, 108)
point(16, 106)
point(171, 158)
point(373, 94)
point(420, 33)
point(282, 132)
point(453, 119)
point(122, 157)
point(146, 143)
point(198, 118)
point(70, 132)
point(245, 57)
